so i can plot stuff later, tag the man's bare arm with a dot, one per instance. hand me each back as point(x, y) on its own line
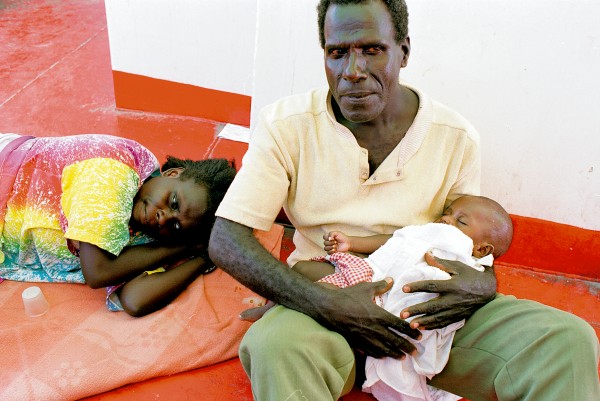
point(349, 311)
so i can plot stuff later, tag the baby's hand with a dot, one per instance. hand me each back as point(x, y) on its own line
point(336, 241)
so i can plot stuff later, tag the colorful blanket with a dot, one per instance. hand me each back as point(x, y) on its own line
point(79, 348)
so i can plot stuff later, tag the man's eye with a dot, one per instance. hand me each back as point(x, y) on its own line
point(373, 50)
point(336, 53)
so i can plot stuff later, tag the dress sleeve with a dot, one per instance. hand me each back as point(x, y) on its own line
point(97, 201)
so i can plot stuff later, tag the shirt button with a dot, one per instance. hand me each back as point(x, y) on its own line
point(398, 173)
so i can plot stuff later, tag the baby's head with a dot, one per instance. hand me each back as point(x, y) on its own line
point(484, 221)
point(182, 201)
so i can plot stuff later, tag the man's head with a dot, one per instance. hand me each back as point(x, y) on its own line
point(364, 49)
point(396, 8)
point(182, 201)
point(484, 221)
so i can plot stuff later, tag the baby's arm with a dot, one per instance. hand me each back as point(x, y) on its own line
point(337, 241)
point(311, 269)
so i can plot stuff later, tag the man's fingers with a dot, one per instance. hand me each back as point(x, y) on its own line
point(393, 346)
point(432, 307)
point(426, 286)
point(439, 320)
point(404, 328)
point(253, 314)
point(383, 286)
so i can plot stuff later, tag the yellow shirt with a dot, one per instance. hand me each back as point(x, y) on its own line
point(301, 158)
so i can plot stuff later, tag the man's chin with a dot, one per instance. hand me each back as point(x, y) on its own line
point(359, 114)
point(358, 117)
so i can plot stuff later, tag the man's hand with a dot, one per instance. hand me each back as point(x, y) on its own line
point(465, 292)
point(366, 326)
point(253, 314)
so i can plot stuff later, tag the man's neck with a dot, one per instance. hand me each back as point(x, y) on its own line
point(381, 136)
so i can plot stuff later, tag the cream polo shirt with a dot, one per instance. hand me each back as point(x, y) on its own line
point(301, 158)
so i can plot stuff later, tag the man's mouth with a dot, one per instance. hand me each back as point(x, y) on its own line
point(356, 95)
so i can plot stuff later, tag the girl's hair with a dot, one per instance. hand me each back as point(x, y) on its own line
point(213, 174)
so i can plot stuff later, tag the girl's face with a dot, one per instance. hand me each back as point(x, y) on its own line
point(166, 207)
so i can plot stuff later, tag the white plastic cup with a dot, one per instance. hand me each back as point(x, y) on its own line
point(34, 301)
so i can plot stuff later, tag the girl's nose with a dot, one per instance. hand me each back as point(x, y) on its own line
point(162, 218)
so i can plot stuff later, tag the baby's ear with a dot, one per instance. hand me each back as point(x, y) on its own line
point(482, 249)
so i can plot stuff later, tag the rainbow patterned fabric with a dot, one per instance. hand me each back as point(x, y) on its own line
point(65, 189)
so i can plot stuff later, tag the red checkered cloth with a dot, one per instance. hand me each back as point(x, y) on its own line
point(349, 269)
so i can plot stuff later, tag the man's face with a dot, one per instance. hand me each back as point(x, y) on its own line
point(363, 59)
point(166, 207)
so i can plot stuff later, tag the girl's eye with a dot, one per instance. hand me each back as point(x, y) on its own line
point(461, 222)
point(174, 202)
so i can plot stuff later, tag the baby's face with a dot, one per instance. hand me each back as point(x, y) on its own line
point(471, 216)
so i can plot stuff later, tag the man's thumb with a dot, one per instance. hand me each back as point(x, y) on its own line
point(384, 285)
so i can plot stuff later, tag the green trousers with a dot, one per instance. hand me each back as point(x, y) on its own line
point(509, 350)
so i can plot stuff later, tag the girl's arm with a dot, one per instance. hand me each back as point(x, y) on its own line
point(148, 293)
point(102, 269)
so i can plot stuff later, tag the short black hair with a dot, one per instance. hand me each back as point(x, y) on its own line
point(216, 175)
point(397, 9)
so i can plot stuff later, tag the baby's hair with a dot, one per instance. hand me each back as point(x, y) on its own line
point(216, 175)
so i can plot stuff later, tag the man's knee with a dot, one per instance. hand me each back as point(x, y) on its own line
point(286, 350)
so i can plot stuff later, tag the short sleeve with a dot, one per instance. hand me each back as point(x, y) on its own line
point(260, 188)
point(97, 201)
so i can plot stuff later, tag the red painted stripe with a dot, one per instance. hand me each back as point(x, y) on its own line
point(553, 247)
point(137, 92)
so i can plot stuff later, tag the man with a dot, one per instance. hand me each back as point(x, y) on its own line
point(367, 156)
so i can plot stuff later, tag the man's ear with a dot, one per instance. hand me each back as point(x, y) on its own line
point(172, 172)
point(482, 249)
point(406, 49)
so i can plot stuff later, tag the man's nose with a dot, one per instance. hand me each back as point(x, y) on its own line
point(355, 67)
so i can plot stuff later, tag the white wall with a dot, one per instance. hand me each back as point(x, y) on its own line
point(289, 58)
point(206, 43)
point(525, 73)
